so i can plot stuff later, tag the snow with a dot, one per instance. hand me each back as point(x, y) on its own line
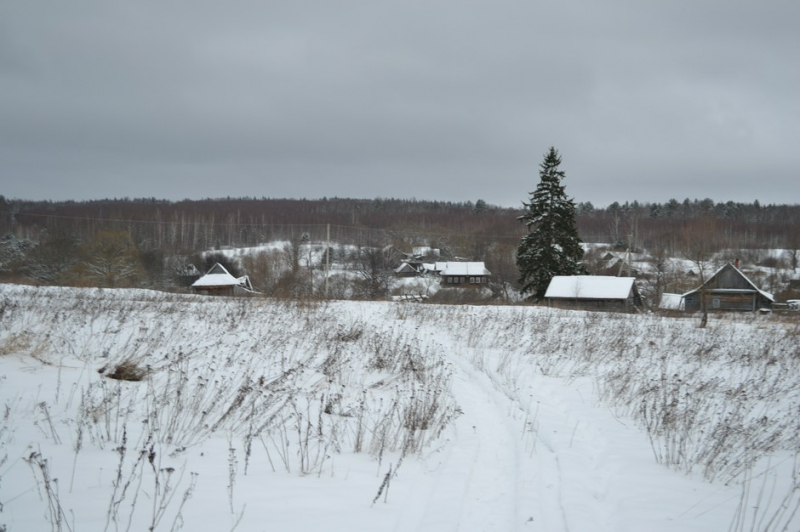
point(249, 416)
point(671, 301)
point(405, 267)
point(217, 279)
point(421, 251)
point(462, 268)
point(223, 278)
point(590, 287)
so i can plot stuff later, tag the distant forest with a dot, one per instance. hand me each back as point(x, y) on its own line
point(188, 226)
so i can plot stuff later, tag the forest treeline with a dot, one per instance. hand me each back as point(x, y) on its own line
point(160, 244)
point(191, 225)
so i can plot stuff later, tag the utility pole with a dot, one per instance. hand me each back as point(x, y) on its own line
point(327, 257)
point(626, 262)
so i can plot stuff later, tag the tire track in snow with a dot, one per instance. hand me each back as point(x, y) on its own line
point(562, 475)
point(511, 471)
point(572, 472)
point(476, 485)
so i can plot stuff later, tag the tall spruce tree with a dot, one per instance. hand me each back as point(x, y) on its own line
point(552, 246)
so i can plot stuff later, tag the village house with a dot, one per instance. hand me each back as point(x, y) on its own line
point(411, 264)
point(728, 289)
point(217, 281)
point(409, 269)
point(593, 292)
point(612, 264)
point(462, 273)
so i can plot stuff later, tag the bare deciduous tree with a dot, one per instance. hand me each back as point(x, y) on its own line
point(699, 245)
point(371, 265)
point(48, 261)
point(109, 260)
point(501, 261)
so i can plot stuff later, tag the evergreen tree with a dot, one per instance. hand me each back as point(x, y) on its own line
point(552, 246)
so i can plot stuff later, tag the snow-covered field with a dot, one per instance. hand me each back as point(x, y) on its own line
point(254, 414)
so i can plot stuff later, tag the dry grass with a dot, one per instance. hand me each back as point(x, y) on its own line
point(308, 381)
point(127, 370)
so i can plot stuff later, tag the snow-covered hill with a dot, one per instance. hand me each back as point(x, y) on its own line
point(255, 414)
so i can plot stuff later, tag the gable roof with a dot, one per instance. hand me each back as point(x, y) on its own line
point(219, 276)
point(406, 267)
point(462, 268)
point(742, 275)
point(589, 287)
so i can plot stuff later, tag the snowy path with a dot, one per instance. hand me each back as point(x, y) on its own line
point(501, 473)
point(476, 478)
point(543, 458)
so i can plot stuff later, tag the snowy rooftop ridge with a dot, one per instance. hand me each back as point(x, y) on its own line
point(590, 287)
point(219, 276)
point(462, 268)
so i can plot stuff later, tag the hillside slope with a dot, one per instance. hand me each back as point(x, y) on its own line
point(135, 410)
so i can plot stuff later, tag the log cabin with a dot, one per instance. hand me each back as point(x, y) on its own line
point(728, 289)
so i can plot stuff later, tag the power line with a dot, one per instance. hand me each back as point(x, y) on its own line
point(272, 226)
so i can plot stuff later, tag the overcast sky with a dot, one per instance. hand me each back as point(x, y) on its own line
point(447, 100)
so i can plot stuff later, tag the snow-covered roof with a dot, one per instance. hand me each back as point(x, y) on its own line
point(589, 287)
point(219, 276)
point(462, 268)
point(424, 250)
point(405, 267)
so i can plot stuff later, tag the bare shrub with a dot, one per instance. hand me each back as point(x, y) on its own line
point(127, 370)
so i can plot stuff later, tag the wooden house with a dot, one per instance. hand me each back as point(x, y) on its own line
point(462, 274)
point(409, 269)
point(613, 265)
point(593, 292)
point(217, 281)
point(728, 289)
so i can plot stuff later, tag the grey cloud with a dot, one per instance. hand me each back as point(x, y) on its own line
point(447, 100)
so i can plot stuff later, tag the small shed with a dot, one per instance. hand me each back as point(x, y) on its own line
point(728, 289)
point(593, 292)
point(217, 281)
point(409, 269)
point(671, 302)
point(463, 273)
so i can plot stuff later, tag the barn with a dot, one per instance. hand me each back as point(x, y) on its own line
point(593, 292)
point(217, 281)
point(728, 289)
point(409, 269)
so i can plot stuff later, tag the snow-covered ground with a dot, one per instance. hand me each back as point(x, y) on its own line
point(254, 414)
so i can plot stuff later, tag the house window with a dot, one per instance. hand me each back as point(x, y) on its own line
point(463, 279)
point(471, 280)
point(715, 302)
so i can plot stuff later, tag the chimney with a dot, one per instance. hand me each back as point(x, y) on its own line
point(736, 263)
